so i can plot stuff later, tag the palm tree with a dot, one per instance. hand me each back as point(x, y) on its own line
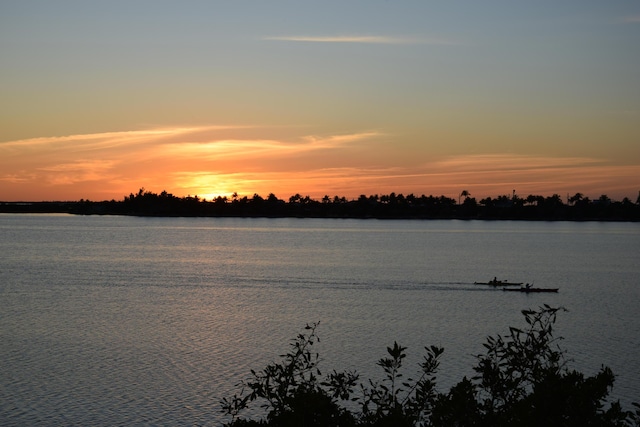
point(464, 194)
point(576, 198)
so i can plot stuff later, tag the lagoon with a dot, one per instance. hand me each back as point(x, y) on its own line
point(149, 321)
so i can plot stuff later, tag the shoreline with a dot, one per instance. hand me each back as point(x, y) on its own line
point(615, 212)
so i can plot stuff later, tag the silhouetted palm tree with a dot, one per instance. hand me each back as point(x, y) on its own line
point(464, 194)
point(576, 198)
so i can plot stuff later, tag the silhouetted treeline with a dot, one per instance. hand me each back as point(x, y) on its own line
point(388, 206)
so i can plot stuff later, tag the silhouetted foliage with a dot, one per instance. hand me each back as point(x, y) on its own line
point(385, 206)
point(521, 380)
point(291, 391)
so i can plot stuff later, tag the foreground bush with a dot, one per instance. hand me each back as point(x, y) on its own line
point(521, 380)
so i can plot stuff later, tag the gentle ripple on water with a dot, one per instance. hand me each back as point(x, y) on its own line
point(138, 321)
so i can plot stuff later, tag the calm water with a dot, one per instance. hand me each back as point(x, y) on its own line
point(121, 321)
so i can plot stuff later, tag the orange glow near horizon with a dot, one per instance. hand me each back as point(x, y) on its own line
point(222, 160)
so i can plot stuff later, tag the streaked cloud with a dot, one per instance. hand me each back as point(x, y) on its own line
point(632, 19)
point(363, 39)
point(78, 171)
point(120, 162)
point(333, 140)
point(263, 149)
point(221, 160)
point(109, 139)
point(482, 175)
point(501, 173)
point(506, 162)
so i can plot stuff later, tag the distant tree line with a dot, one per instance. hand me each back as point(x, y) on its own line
point(386, 206)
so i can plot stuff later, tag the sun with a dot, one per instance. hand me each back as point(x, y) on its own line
point(213, 196)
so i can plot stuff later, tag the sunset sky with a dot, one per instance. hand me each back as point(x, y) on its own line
point(207, 98)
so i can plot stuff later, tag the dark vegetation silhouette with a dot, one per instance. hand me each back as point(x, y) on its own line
point(387, 206)
point(521, 380)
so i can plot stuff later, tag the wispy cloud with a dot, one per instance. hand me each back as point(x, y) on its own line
point(210, 161)
point(82, 170)
point(218, 149)
point(505, 162)
point(632, 19)
point(363, 39)
point(482, 175)
point(181, 159)
point(105, 140)
point(126, 136)
point(500, 173)
point(333, 140)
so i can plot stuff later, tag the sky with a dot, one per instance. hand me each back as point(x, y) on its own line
point(209, 98)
